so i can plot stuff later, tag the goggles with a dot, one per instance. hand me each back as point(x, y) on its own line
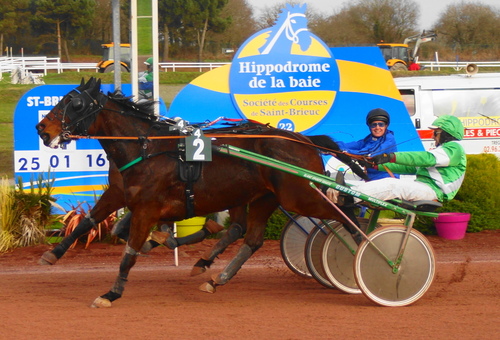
point(379, 124)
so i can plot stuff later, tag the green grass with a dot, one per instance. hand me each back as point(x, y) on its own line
point(144, 33)
point(108, 78)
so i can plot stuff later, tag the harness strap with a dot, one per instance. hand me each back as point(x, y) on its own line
point(134, 162)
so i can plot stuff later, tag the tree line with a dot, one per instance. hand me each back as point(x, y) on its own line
point(202, 29)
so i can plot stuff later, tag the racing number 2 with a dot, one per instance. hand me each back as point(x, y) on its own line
point(198, 147)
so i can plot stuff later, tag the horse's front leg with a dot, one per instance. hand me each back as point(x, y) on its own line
point(141, 224)
point(110, 201)
point(128, 260)
point(259, 212)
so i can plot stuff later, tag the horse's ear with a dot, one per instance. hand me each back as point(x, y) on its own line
point(96, 86)
point(89, 83)
point(82, 82)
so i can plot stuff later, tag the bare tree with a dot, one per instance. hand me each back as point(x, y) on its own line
point(241, 27)
point(371, 21)
point(269, 14)
point(469, 26)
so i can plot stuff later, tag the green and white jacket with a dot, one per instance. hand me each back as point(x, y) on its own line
point(443, 168)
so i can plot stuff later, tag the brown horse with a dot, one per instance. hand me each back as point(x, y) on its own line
point(113, 199)
point(153, 190)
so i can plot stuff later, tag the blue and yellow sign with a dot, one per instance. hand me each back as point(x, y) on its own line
point(79, 172)
point(287, 77)
point(284, 75)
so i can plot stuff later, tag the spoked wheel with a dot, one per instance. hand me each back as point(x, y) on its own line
point(293, 240)
point(338, 257)
point(313, 253)
point(384, 285)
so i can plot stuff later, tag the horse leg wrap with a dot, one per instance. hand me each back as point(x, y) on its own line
point(210, 227)
point(122, 227)
point(130, 251)
point(128, 261)
point(193, 238)
point(84, 226)
point(200, 267)
point(232, 268)
point(111, 296)
point(234, 232)
point(146, 248)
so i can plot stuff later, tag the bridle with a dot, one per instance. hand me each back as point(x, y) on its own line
point(79, 107)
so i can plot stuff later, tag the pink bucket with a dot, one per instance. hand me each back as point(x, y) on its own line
point(452, 226)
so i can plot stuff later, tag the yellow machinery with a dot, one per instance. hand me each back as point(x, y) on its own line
point(399, 57)
point(107, 64)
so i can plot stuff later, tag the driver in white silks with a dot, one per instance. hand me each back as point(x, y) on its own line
point(439, 172)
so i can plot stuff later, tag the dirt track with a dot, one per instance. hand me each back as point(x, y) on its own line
point(265, 300)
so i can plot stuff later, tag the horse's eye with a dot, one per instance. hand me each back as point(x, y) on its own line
point(77, 104)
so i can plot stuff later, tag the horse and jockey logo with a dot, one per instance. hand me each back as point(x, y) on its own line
point(285, 75)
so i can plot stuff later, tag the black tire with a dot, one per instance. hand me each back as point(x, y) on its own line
point(399, 67)
point(111, 69)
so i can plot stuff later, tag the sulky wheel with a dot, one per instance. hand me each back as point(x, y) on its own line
point(293, 239)
point(338, 257)
point(313, 253)
point(384, 285)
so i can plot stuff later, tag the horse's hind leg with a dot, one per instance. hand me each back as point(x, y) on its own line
point(235, 231)
point(165, 235)
point(259, 212)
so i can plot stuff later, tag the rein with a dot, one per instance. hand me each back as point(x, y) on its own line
point(216, 135)
point(87, 106)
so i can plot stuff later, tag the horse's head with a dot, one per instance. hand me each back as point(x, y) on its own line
point(68, 115)
point(290, 28)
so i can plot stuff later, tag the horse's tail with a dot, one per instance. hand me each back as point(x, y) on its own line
point(324, 141)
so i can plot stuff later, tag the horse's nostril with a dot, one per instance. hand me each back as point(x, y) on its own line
point(40, 127)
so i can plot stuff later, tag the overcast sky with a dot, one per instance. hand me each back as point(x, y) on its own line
point(430, 10)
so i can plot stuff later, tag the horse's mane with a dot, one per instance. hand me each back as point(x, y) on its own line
point(145, 107)
point(241, 127)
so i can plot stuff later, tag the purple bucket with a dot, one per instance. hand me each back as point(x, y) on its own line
point(452, 226)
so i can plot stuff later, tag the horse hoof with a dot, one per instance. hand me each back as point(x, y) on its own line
point(165, 237)
point(198, 270)
point(47, 259)
point(207, 287)
point(101, 303)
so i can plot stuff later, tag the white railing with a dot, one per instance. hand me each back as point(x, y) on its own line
point(457, 65)
point(44, 64)
point(183, 65)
